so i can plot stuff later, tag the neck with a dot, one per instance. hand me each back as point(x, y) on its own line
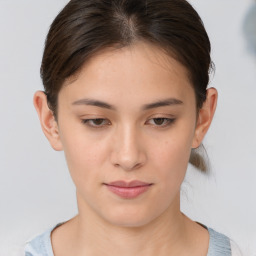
point(162, 236)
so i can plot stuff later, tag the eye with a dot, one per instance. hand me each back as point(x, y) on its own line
point(96, 123)
point(161, 121)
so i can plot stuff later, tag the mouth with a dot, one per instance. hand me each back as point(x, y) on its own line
point(128, 190)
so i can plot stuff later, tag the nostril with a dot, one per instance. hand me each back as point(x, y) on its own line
point(128, 167)
point(128, 164)
point(137, 166)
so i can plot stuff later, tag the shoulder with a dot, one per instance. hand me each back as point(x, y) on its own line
point(40, 245)
point(221, 245)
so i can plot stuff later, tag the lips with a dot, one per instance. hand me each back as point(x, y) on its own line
point(128, 190)
point(124, 184)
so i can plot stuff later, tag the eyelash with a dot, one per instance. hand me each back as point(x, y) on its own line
point(168, 122)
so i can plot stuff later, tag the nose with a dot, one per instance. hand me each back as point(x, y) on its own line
point(128, 152)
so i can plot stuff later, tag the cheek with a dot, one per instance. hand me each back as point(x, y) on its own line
point(172, 155)
point(84, 155)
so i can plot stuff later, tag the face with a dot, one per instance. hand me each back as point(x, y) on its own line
point(127, 125)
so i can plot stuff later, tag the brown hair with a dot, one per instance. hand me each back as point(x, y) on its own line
point(84, 27)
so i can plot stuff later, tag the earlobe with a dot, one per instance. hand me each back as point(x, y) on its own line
point(205, 117)
point(47, 120)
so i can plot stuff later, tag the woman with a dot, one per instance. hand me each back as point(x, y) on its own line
point(126, 98)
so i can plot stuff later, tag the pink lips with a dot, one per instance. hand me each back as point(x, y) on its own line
point(128, 190)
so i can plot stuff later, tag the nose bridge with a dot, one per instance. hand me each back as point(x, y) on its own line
point(128, 151)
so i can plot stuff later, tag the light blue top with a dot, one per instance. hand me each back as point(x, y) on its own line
point(219, 244)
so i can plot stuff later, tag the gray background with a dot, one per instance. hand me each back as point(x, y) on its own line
point(36, 191)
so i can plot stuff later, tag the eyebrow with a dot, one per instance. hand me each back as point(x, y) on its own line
point(101, 104)
point(162, 103)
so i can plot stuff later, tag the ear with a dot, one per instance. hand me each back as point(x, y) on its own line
point(47, 120)
point(205, 117)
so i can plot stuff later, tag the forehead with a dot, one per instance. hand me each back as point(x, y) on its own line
point(140, 71)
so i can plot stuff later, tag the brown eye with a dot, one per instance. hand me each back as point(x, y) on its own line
point(161, 121)
point(96, 123)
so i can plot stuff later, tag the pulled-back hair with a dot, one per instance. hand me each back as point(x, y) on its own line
point(84, 27)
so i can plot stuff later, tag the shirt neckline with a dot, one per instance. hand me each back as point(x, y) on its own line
point(50, 249)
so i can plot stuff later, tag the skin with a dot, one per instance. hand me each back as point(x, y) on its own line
point(130, 143)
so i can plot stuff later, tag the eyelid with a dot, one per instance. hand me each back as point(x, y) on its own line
point(86, 122)
point(168, 121)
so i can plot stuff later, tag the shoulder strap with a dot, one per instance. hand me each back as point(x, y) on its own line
point(40, 245)
point(219, 244)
